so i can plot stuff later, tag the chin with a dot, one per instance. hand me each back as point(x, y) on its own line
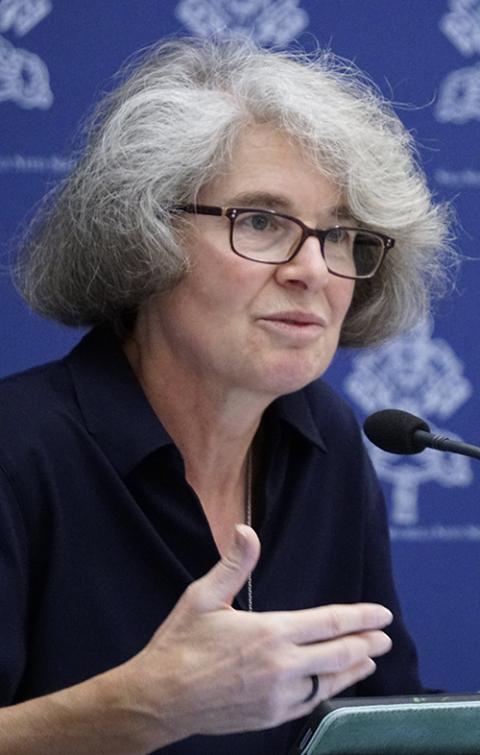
point(283, 379)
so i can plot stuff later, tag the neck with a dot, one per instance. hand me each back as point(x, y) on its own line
point(213, 428)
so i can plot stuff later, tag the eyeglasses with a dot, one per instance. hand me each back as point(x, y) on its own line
point(273, 238)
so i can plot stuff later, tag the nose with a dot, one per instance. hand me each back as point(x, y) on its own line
point(307, 269)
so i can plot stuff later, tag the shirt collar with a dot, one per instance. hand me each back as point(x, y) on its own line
point(115, 408)
point(296, 410)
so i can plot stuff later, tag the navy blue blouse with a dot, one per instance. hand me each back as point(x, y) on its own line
point(100, 533)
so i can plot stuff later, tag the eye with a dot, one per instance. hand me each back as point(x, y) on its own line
point(338, 235)
point(258, 221)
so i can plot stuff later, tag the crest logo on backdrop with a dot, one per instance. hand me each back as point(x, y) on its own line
point(25, 81)
point(422, 375)
point(266, 21)
point(459, 99)
point(24, 77)
point(459, 93)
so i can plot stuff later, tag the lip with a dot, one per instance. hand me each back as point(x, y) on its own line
point(300, 319)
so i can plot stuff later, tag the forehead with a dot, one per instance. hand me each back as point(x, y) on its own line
point(269, 168)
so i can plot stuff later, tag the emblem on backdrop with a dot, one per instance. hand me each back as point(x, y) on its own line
point(267, 21)
point(24, 77)
point(422, 375)
point(459, 96)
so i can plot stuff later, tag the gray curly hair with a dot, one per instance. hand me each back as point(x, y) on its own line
point(105, 240)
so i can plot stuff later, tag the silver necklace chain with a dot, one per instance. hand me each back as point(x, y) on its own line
point(248, 519)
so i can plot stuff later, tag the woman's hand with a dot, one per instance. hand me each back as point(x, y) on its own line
point(207, 670)
point(210, 669)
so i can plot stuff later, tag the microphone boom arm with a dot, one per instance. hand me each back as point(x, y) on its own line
point(428, 440)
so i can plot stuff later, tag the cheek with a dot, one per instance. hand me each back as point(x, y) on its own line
point(233, 288)
point(341, 295)
point(220, 277)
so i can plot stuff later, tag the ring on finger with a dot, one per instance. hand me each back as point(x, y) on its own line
point(315, 684)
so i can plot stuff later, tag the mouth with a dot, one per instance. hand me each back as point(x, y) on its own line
point(294, 328)
point(297, 319)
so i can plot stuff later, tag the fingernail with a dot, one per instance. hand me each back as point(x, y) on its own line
point(385, 615)
point(240, 538)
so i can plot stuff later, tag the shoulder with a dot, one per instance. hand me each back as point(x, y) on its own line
point(339, 432)
point(27, 392)
point(32, 404)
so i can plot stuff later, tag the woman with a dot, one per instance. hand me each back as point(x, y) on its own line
point(237, 214)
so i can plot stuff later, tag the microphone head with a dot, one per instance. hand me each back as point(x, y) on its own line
point(394, 431)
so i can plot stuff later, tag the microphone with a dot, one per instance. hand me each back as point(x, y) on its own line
point(399, 432)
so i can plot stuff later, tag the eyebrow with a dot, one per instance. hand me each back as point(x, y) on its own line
point(280, 203)
point(262, 199)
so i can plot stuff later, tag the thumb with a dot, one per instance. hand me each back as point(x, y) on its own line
point(219, 586)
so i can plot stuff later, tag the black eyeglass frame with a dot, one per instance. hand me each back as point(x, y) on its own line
point(232, 214)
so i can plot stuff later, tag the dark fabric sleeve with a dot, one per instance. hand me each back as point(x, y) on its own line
point(359, 495)
point(397, 672)
point(13, 592)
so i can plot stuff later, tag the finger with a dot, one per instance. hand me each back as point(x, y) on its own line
point(220, 585)
point(328, 622)
point(334, 656)
point(300, 689)
point(331, 684)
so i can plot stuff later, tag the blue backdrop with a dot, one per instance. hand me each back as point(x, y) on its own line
point(56, 58)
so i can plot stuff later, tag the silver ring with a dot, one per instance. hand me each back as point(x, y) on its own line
point(315, 685)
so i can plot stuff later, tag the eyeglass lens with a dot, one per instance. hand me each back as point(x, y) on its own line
point(274, 238)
